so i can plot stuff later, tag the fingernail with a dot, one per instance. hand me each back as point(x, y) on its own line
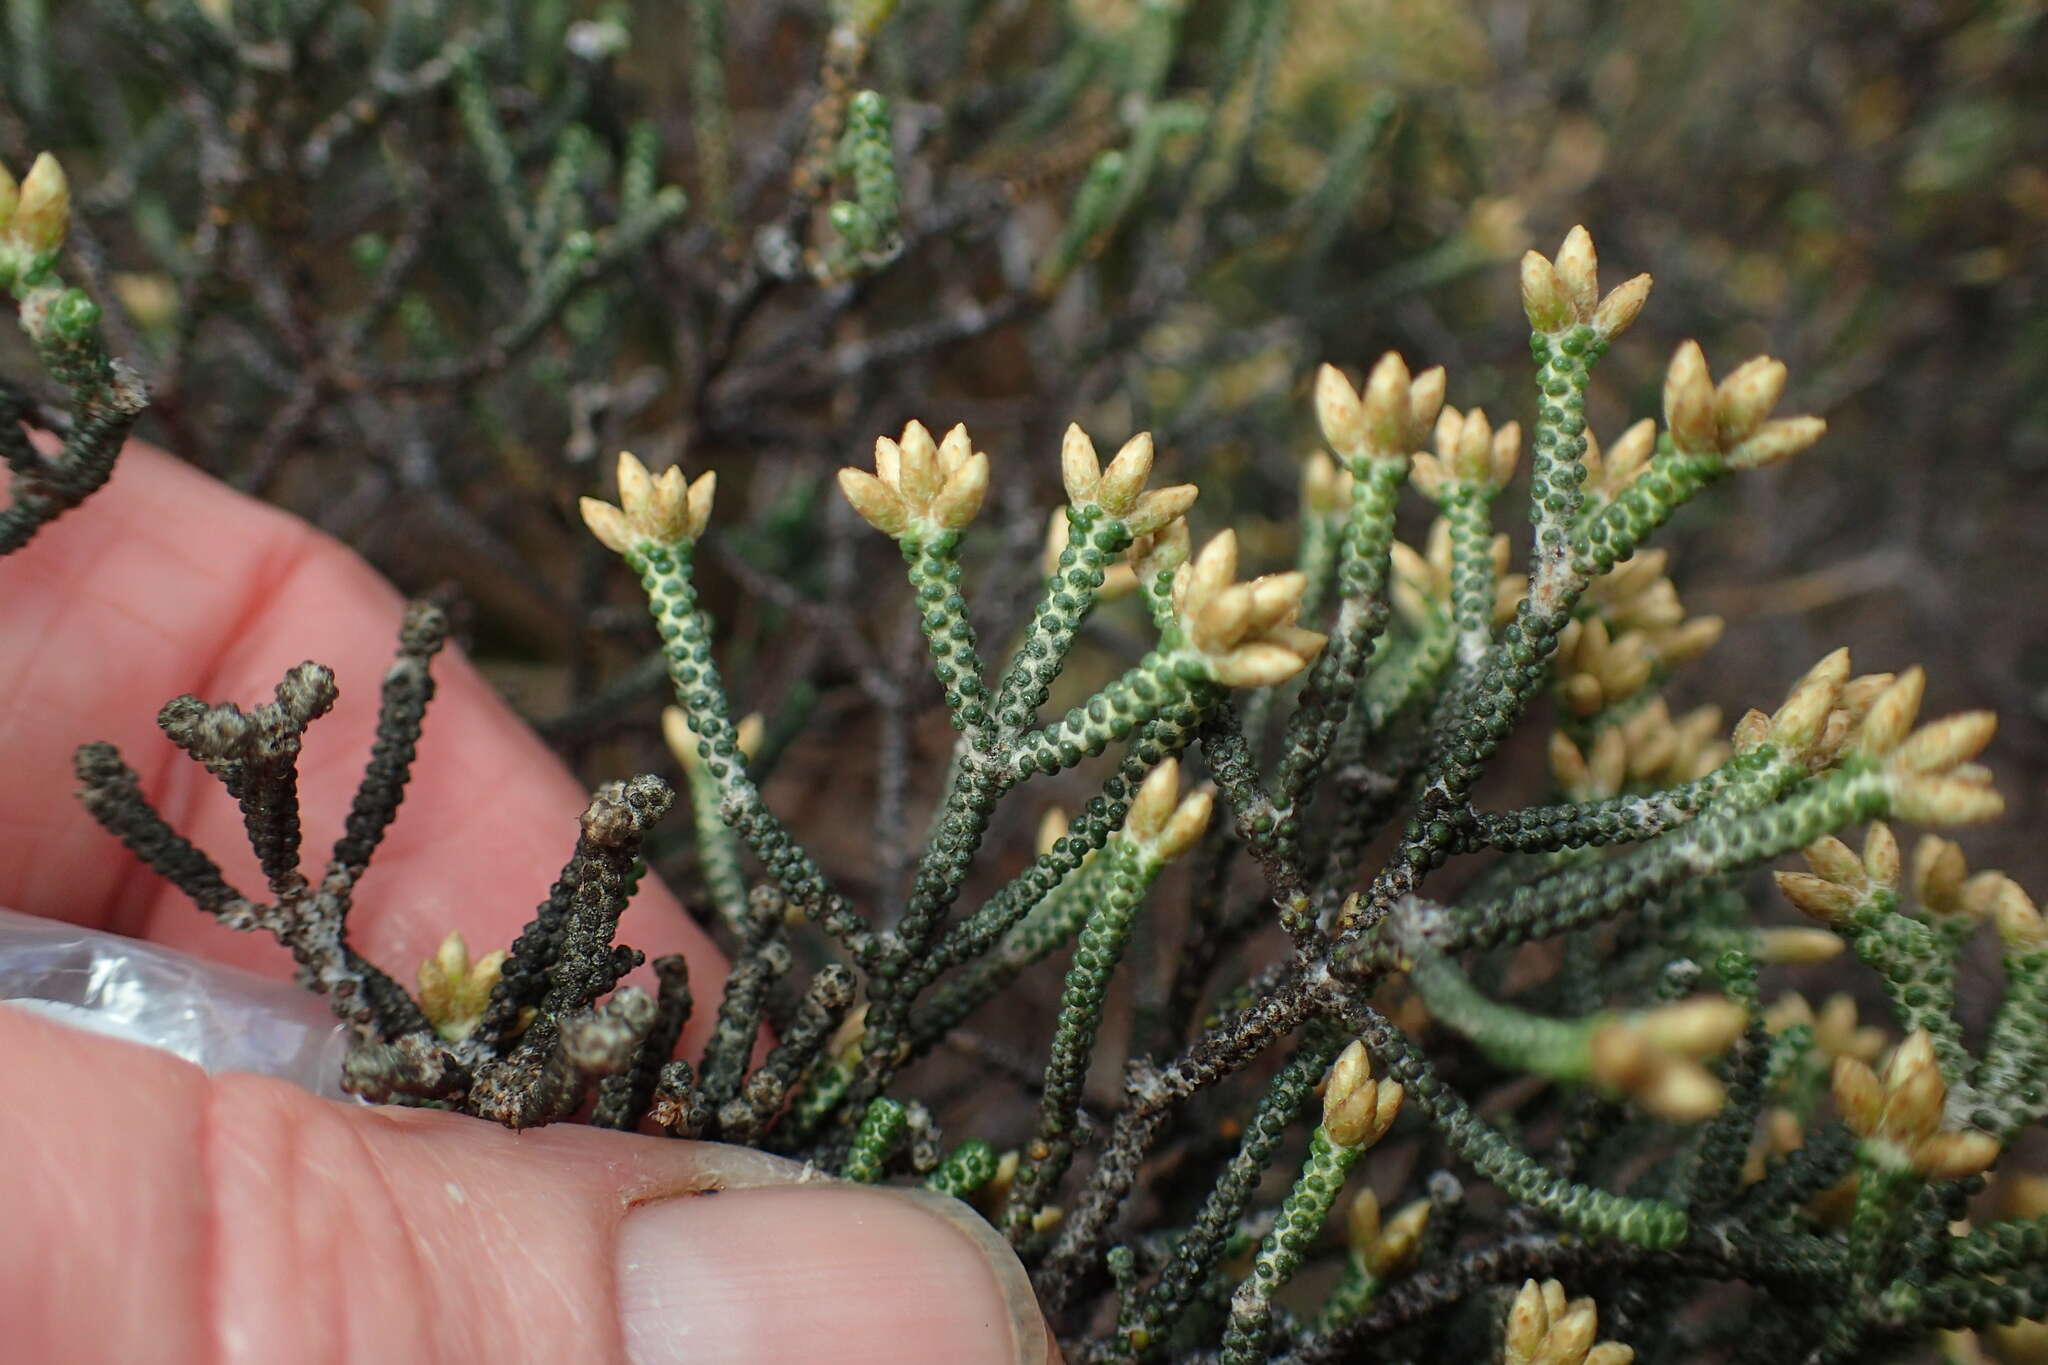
point(844, 1273)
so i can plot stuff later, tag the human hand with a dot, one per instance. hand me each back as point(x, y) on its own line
point(152, 1212)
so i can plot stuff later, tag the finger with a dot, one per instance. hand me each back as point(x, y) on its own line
point(155, 1214)
point(168, 583)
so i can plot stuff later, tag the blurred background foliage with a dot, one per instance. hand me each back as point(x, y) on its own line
point(404, 266)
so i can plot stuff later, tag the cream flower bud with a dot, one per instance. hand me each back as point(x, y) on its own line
point(2020, 924)
point(1080, 468)
point(1125, 477)
point(1425, 400)
point(1578, 270)
point(1325, 488)
point(1900, 1116)
point(955, 450)
point(1829, 902)
point(697, 502)
point(1943, 744)
point(1833, 860)
point(1881, 856)
point(1778, 439)
point(1938, 871)
point(454, 992)
point(1689, 401)
point(1388, 413)
point(1621, 306)
point(1943, 801)
point(1161, 823)
point(1745, 398)
point(1545, 299)
point(1797, 724)
point(1796, 947)
point(636, 486)
point(1357, 1110)
point(1187, 823)
point(1892, 714)
point(1397, 1245)
point(1154, 801)
point(1159, 507)
point(42, 212)
point(960, 497)
point(1858, 1095)
point(1504, 453)
point(1630, 455)
point(607, 523)
point(1257, 665)
point(1339, 412)
point(684, 743)
point(1528, 1320)
point(878, 503)
point(919, 484)
point(918, 478)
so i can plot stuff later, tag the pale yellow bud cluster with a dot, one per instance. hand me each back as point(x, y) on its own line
point(919, 485)
point(1422, 582)
point(1649, 748)
point(1733, 420)
point(1945, 889)
point(1899, 1118)
point(661, 511)
point(1821, 714)
point(1469, 454)
point(1357, 1110)
point(1565, 293)
point(1654, 1055)
point(1600, 665)
point(1621, 464)
point(35, 214)
point(1119, 489)
point(1245, 632)
point(1162, 821)
point(1837, 1032)
point(683, 741)
point(1385, 1251)
point(1544, 1328)
point(1638, 595)
point(1841, 882)
point(454, 992)
point(1391, 420)
point(1933, 781)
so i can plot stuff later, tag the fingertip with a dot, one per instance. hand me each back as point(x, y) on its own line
point(847, 1273)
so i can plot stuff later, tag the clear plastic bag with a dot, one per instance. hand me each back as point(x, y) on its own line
point(222, 1018)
